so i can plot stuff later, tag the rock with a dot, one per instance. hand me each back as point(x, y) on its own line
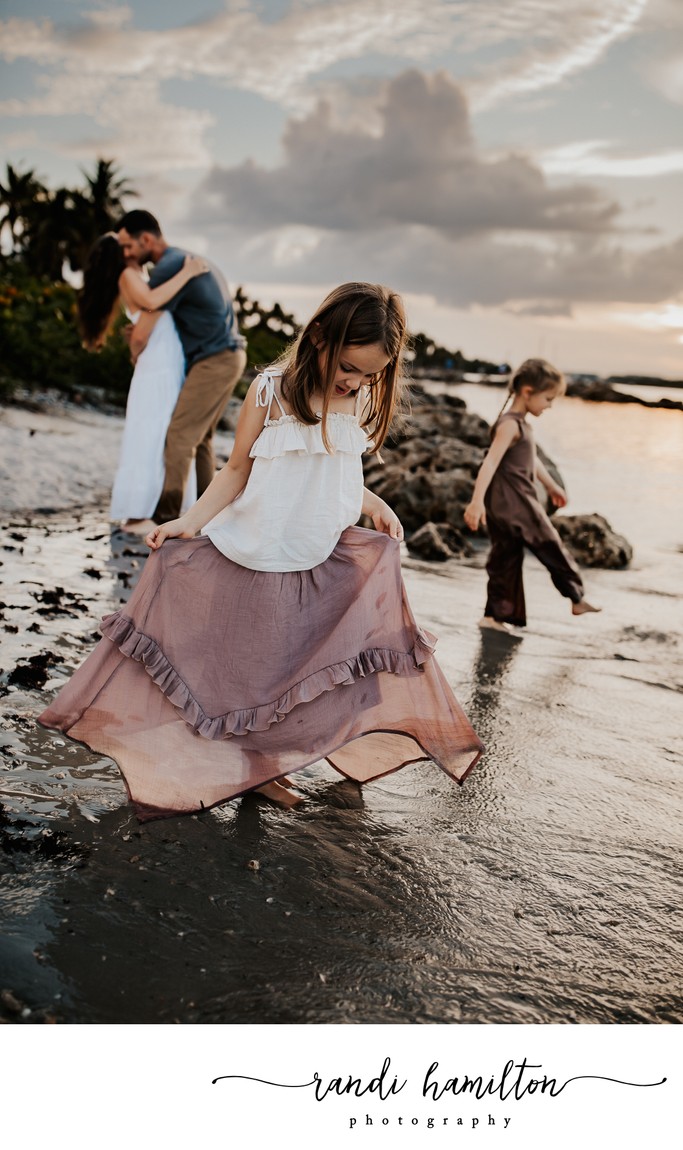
point(601, 391)
point(592, 541)
point(231, 412)
point(10, 1002)
point(34, 672)
point(437, 542)
point(430, 463)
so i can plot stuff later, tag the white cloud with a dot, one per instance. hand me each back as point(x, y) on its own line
point(600, 158)
point(559, 40)
point(541, 42)
point(666, 76)
point(113, 70)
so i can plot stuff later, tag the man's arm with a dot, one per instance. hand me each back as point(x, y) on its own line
point(141, 332)
point(170, 264)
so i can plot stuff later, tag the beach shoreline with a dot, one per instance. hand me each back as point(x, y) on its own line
point(546, 889)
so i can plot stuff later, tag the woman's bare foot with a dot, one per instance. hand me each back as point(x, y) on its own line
point(281, 796)
point(584, 608)
point(491, 624)
point(138, 526)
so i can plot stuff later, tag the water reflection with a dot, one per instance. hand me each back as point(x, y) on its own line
point(495, 657)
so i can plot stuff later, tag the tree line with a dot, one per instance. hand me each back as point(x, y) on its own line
point(46, 229)
point(46, 234)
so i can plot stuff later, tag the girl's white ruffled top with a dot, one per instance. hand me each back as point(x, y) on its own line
point(299, 497)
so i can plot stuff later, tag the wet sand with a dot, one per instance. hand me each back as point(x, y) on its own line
point(546, 889)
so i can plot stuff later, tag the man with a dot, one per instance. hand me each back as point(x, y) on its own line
point(215, 357)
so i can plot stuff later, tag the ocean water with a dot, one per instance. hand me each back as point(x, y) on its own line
point(546, 889)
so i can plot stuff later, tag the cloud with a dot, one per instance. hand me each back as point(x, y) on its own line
point(145, 133)
point(666, 76)
point(106, 64)
point(421, 169)
point(600, 158)
point(480, 270)
point(559, 41)
point(542, 309)
point(416, 204)
point(539, 43)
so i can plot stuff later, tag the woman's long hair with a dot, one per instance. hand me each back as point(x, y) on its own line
point(99, 296)
point(353, 314)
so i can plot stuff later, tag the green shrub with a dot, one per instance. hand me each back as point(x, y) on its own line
point(41, 345)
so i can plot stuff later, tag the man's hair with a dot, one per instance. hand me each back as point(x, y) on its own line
point(139, 221)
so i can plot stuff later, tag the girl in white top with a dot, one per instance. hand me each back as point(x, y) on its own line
point(267, 630)
point(294, 479)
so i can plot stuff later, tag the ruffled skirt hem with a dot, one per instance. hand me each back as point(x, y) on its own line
point(217, 679)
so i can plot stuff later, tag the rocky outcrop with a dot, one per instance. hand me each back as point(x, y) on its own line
point(592, 541)
point(431, 462)
point(438, 542)
point(600, 391)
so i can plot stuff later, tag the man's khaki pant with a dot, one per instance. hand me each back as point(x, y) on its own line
point(203, 396)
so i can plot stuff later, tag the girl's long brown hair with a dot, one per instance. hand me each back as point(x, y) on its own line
point(99, 296)
point(353, 314)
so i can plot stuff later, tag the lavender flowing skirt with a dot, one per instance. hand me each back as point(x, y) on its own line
point(215, 679)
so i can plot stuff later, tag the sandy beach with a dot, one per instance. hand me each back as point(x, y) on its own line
point(546, 889)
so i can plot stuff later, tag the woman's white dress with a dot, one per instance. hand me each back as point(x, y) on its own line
point(154, 388)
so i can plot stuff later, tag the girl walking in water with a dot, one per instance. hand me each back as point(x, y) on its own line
point(505, 501)
point(281, 635)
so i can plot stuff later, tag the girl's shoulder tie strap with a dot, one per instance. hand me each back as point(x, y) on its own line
point(265, 389)
point(265, 392)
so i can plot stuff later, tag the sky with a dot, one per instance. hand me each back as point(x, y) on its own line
point(513, 167)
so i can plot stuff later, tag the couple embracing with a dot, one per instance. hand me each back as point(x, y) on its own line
point(188, 356)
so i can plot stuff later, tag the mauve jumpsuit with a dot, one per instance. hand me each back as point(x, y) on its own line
point(515, 520)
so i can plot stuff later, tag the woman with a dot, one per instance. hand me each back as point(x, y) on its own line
point(108, 283)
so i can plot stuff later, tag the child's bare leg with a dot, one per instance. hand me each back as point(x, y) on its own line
point(584, 608)
point(281, 796)
point(489, 623)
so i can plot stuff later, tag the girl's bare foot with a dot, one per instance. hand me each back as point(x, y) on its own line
point(489, 623)
point(584, 608)
point(138, 526)
point(281, 796)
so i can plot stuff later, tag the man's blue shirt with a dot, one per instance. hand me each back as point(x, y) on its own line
point(202, 311)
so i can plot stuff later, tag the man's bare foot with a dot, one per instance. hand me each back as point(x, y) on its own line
point(138, 526)
point(488, 623)
point(281, 796)
point(584, 608)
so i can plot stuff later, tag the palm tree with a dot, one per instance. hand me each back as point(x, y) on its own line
point(18, 196)
point(54, 234)
point(97, 208)
point(106, 191)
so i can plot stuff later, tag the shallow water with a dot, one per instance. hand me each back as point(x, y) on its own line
point(547, 889)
